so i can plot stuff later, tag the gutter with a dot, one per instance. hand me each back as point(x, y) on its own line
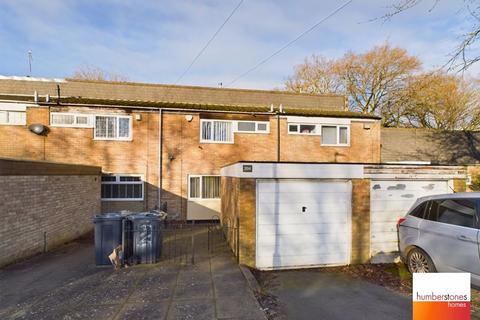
point(160, 157)
point(158, 108)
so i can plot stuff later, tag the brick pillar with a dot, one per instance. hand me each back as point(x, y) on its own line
point(360, 221)
point(459, 185)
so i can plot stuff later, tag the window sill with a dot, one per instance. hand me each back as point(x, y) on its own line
point(203, 199)
point(252, 132)
point(217, 142)
point(113, 139)
point(304, 134)
point(121, 200)
point(335, 145)
point(70, 126)
point(13, 124)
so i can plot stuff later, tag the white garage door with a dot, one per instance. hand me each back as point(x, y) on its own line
point(303, 222)
point(390, 200)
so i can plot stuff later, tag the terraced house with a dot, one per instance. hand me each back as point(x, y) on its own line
point(131, 130)
point(286, 169)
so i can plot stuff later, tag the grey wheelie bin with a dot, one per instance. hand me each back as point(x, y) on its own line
point(108, 235)
point(143, 238)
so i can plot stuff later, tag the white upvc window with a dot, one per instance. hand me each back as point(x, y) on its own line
point(216, 131)
point(335, 135)
point(304, 128)
point(109, 127)
point(9, 117)
point(71, 120)
point(122, 187)
point(201, 187)
point(252, 127)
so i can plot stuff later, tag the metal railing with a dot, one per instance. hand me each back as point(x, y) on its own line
point(231, 233)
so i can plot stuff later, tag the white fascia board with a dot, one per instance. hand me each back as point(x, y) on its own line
point(363, 120)
point(318, 120)
point(414, 176)
point(293, 171)
point(8, 106)
point(409, 162)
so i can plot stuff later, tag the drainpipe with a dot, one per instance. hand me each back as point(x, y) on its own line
point(58, 94)
point(278, 137)
point(160, 157)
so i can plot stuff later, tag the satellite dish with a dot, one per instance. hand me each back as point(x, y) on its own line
point(37, 128)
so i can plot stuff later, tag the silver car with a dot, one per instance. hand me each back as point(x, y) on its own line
point(441, 233)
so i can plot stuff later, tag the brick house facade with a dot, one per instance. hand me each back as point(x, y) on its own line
point(169, 135)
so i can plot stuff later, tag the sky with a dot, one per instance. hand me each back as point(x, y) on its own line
point(155, 41)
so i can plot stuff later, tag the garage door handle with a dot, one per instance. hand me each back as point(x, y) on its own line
point(304, 209)
point(463, 238)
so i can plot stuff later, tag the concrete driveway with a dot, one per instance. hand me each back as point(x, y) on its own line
point(65, 284)
point(323, 295)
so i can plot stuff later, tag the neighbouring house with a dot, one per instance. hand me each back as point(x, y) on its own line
point(437, 147)
point(131, 130)
point(162, 146)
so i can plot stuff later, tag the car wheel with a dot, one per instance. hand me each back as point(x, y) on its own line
point(419, 262)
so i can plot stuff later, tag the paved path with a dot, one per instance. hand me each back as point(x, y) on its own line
point(64, 284)
point(323, 295)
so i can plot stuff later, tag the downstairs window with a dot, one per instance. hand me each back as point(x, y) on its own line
point(122, 187)
point(203, 187)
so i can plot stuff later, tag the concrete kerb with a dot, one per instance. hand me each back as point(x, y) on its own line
point(251, 280)
point(253, 284)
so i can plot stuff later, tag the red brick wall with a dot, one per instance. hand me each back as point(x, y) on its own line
point(76, 146)
point(364, 146)
point(182, 152)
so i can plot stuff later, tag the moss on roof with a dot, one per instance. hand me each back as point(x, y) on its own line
point(65, 101)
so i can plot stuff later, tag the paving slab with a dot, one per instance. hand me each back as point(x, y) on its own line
point(155, 310)
point(198, 309)
point(228, 308)
point(193, 290)
point(65, 284)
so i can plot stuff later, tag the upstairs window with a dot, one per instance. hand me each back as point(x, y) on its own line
point(122, 187)
point(335, 135)
point(300, 128)
point(58, 119)
point(13, 117)
point(216, 131)
point(253, 127)
point(113, 128)
point(204, 187)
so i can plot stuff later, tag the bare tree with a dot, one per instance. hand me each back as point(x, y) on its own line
point(441, 101)
point(466, 52)
point(317, 75)
point(370, 80)
point(88, 72)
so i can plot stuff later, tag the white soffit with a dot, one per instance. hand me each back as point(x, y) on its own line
point(293, 170)
point(318, 120)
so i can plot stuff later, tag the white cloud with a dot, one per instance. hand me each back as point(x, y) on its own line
point(154, 41)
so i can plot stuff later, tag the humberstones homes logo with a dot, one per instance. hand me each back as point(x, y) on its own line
point(441, 296)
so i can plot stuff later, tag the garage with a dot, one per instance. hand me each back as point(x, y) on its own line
point(390, 200)
point(303, 222)
point(281, 215)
